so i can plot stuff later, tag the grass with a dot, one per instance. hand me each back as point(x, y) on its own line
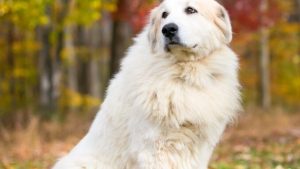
point(258, 141)
point(261, 141)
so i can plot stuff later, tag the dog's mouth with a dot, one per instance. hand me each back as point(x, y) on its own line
point(173, 42)
point(177, 45)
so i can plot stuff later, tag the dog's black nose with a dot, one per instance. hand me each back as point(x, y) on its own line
point(170, 30)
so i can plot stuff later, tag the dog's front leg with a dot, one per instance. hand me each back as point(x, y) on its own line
point(150, 160)
point(167, 154)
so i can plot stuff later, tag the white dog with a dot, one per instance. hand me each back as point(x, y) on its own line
point(176, 92)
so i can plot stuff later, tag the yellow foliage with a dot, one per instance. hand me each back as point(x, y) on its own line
point(110, 6)
point(3, 9)
point(96, 4)
point(96, 16)
point(20, 73)
point(44, 20)
point(74, 99)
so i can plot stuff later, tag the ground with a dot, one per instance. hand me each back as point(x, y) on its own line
point(257, 140)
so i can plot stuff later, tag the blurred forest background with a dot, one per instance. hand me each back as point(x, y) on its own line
point(57, 56)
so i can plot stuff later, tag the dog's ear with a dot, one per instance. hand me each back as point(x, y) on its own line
point(154, 25)
point(223, 22)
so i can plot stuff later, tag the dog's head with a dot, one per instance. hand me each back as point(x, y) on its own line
point(189, 26)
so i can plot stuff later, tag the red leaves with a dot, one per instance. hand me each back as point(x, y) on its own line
point(133, 11)
point(248, 14)
point(139, 18)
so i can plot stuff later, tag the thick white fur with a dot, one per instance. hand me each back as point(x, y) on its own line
point(166, 110)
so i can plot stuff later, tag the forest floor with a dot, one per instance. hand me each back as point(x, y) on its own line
point(258, 140)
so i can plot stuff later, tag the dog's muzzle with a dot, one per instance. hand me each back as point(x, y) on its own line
point(170, 32)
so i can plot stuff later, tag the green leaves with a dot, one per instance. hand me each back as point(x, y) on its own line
point(21, 13)
point(85, 12)
point(28, 14)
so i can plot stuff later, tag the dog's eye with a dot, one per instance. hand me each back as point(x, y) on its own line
point(164, 15)
point(190, 10)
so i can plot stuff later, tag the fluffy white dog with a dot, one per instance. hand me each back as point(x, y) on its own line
point(176, 92)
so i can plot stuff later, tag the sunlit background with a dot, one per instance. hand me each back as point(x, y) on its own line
point(57, 56)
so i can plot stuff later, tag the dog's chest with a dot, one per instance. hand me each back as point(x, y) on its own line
point(188, 95)
point(173, 119)
point(180, 110)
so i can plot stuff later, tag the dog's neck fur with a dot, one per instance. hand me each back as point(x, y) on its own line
point(202, 71)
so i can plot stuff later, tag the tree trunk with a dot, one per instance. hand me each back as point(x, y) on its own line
point(69, 47)
point(120, 41)
point(95, 85)
point(94, 62)
point(45, 68)
point(105, 50)
point(297, 8)
point(11, 62)
point(83, 57)
point(56, 62)
point(56, 78)
point(264, 69)
point(264, 61)
point(57, 49)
